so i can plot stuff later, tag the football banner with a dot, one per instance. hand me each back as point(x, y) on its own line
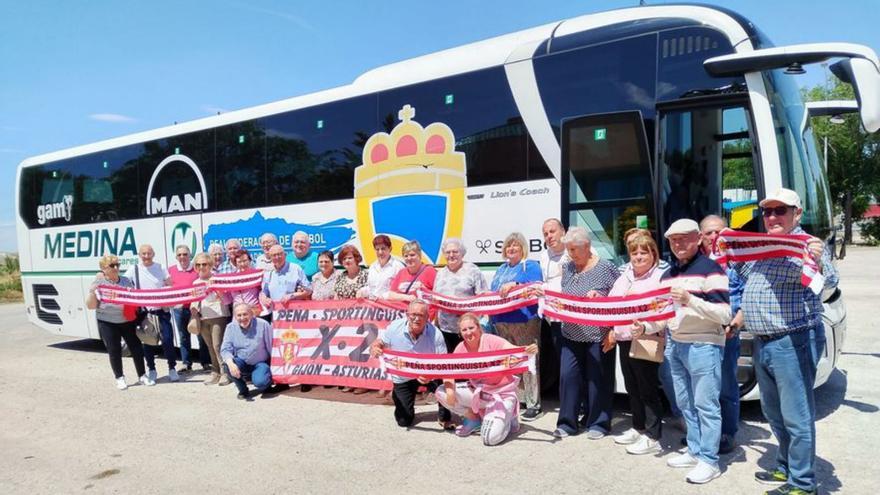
point(489, 303)
point(736, 246)
point(171, 296)
point(608, 311)
point(472, 365)
point(328, 342)
point(237, 281)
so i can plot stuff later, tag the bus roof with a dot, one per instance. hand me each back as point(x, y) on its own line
point(512, 47)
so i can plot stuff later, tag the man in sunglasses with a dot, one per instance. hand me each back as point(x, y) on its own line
point(785, 319)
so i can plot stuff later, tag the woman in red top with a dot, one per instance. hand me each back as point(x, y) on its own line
point(413, 276)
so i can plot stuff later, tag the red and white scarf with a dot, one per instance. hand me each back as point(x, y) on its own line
point(489, 303)
point(175, 296)
point(608, 311)
point(737, 246)
point(471, 365)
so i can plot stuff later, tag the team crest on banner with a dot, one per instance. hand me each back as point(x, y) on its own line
point(411, 185)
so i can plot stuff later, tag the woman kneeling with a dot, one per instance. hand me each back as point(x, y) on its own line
point(488, 405)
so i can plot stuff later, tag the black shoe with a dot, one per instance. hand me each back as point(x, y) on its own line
point(305, 388)
point(787, 489)
point(726, 446)
point(772, 477)
point(245, 396)
point(186, 368)
point(684, 441)
point(532, 414)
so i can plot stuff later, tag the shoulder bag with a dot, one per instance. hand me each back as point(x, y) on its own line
point(147, 329)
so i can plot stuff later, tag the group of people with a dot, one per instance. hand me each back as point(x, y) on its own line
point(697, 373)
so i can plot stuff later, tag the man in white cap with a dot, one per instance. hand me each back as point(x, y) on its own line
point(785, 319)
point(700, 292)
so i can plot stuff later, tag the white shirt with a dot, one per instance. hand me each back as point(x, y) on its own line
point(551, 269)
point(148, 277)
point(379, 277)
point(265, 263)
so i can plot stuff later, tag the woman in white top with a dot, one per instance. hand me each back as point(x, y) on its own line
point(381, 271)
point(213, 316)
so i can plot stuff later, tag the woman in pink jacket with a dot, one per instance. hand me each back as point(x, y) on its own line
point(639, 376)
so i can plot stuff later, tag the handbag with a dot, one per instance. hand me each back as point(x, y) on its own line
point(195, 322)
point(648, 348)
point(148, 330)
point(140, 312)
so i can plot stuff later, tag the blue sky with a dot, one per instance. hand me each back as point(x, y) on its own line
point(75, 72)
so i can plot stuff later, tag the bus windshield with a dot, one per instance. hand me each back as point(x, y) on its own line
point(801, 166)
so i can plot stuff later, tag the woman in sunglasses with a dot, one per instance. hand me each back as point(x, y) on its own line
point(213, 314)
point(114, 324)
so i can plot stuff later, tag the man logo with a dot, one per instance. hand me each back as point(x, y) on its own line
point(174, 203)
point(46, 305)
point(184, 234)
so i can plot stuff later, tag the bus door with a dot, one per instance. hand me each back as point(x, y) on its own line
point(707, 163)
point(607, 179)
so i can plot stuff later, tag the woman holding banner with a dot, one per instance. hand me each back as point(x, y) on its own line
point(487, 405)
point(459, 278)
point(639, 375)
point(324, 281)
point(353, 278)
point(520, 326)
point(414, 276)
point(586, 372)
point(243, 263)
point(213, 316)
point(381, 271)
point(115, 325)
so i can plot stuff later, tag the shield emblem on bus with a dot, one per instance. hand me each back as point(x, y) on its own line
point(411, 186)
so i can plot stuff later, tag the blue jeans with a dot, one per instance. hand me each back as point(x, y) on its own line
point(696, 376)
point(181, 319)
point(665, 375)
point(260, 375)
point(167, 346)
point(729, 388)
point(786, 369)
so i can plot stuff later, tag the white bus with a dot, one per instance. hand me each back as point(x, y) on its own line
point(633, 117)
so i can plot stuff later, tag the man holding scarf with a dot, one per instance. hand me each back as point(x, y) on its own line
point(785, 319)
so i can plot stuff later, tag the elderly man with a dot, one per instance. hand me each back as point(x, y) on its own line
point(228, 266)
point(699, 289)
point(246, 350)
point(709, 229)
point(151, 275)
point(183, 274)
point(785, 319)
point(267, 240)
point(285, 281)
point(412, 334)
point(303, 255)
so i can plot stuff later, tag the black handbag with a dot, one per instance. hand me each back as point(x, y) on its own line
point(146, 323)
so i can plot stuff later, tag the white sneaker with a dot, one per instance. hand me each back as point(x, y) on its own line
point(644, 445)
point(703, 473)
point(685, 460)
point(152, 376)
point(120, 383)
point(173, 376)
point(147, 381)
point(628, 437)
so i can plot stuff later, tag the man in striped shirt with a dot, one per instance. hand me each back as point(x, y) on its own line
point(700, 292)
point(785, 319)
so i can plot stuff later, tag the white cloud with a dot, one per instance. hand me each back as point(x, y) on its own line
point(112, 117)
point(213, 110)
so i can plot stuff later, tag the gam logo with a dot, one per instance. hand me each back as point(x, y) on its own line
point(177, 203)
point(52, 211)
point(184, 234)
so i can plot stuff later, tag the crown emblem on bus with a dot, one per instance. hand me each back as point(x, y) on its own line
point(411, 186)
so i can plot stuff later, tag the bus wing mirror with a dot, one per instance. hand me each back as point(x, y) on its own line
point(830, 108)
point(859, 67)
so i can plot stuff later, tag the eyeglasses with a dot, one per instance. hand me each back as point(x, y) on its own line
point(113, 265)
point(775, 210)
point(416, 316)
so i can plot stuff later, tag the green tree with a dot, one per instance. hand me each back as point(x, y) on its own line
point(853, 156)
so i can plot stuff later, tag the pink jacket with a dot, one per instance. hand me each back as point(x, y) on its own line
point(628, 284)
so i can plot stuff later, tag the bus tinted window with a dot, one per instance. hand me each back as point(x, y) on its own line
point(186, 181)
point(240, 179)
point(605, 78)
point(681, 53)
point(312, 153)
point(480, 110)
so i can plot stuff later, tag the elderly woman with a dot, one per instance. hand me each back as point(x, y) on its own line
point(586, 373)
point(213, 316)
point(639, 375)
point(488, 405)
point(413, 276)
point(242, 261)
point(381, 271)
point(521, 326)
point(325, 279)
point(459, 278)
point(113, 323)
point(353, 278)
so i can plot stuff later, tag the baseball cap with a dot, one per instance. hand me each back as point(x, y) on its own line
point(784, 196)
point(682, 226)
